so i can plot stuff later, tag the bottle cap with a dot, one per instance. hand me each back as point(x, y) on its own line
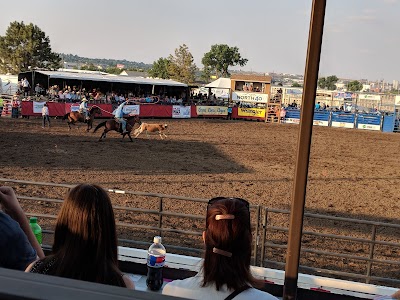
point(157, 240)
point(33, 220)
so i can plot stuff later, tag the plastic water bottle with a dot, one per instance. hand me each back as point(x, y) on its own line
point(155, 264)
point(37, 230)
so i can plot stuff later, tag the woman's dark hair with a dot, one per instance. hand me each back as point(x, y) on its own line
point(231, 235)
point(85, 240)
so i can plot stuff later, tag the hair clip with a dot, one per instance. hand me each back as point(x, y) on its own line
point(222, 252)
point(224, 217)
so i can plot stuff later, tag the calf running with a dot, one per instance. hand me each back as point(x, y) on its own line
point(151, 128)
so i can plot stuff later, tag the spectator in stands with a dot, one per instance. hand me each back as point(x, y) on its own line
point(18, 245)
point(318, 106)
point(85, 240)
point(226, 266)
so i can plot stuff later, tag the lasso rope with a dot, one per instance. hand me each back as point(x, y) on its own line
point(102, 109)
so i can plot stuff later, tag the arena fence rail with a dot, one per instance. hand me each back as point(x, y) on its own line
point(361, 250)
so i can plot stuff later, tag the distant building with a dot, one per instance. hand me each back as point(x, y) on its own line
point(134, 74)
point(395, 84)
point(120, 66)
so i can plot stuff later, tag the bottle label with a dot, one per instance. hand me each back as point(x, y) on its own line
point(156, 261)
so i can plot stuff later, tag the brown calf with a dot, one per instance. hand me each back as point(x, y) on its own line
point(151, 128)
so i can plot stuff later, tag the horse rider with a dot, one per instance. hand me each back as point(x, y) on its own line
point(119, 116)
point(83, 108)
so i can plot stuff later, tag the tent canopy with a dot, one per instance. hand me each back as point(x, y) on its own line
point(110, 78)
point(220, 83)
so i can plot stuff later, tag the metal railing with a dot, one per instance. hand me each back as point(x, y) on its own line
point(336, 246)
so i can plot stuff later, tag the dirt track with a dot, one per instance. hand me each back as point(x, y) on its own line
point(353, 173)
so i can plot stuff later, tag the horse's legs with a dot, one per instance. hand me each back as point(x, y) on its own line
point(129, 134)
point(160, 135)
point(103, 135)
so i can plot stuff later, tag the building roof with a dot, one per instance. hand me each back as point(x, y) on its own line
point(220, 83)
point(110, 78)
point(256, 78)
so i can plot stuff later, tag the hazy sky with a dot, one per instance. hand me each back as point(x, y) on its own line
point(361, 37)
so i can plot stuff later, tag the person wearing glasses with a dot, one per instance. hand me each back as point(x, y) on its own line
point(225, 273)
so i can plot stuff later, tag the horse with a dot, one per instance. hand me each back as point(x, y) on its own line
point(112, 124)
point(75, 116)
point(160, 128)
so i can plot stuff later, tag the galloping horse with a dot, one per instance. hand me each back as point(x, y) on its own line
point(75, 116)
point(114, 125)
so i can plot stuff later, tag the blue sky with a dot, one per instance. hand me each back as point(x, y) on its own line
point(361, 38)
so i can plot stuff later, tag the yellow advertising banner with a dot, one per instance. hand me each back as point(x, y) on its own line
point(212, 110)
point(251, 112)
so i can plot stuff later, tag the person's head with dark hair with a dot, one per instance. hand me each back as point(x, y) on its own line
point(85, 241)
point(227, 241)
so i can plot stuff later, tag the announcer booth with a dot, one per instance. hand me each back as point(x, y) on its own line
point(250, 95)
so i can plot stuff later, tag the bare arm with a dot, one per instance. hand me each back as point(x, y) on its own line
point(11, 206)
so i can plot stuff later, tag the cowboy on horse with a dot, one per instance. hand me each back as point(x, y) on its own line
point(119, 116)
point(83, 109)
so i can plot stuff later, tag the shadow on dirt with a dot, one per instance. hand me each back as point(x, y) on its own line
point(142, 156)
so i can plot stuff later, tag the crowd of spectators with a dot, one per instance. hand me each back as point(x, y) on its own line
point(85, 245)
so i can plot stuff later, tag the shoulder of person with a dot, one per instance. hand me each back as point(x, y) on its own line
point(188, 283)
point(254, 293)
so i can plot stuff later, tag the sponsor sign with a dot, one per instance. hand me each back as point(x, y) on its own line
point(320, 123)
point(212, 110)
point(369, 126)
point(397, 100)
point(251, 112)
point(74, 107)
point(292, 121)
point(37, 107)
point(250, 97)
point(342, 124)
point(182, 112)
point(369, 97)
point(133, 110)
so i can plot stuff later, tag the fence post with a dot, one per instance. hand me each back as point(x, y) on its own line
point(264, 233)
point(256, 237)
point(160, 218)
point(371, 253)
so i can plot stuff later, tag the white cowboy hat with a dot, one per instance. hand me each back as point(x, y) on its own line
point(84, 99)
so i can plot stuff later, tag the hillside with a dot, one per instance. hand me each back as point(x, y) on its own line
point(79, 61)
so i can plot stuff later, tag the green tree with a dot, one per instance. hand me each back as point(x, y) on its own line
point(221, 57)
point(328, 82)
point(24, 47)
point(354, 86)
point(296, 84)
point(160, 68)
point(89, 67)
point(181, 66)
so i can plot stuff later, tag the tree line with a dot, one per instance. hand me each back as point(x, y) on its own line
point(26, 47)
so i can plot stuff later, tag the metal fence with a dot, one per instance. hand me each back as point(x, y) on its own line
point(361, 250)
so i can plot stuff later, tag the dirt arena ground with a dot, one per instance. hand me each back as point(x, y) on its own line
point(353, 173)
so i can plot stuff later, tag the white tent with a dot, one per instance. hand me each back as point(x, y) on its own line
point(220, 83)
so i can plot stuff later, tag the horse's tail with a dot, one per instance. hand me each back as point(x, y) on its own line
point(65, 116)
point(100, 125)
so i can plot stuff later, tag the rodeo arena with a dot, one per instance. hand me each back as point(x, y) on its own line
point(234, 137)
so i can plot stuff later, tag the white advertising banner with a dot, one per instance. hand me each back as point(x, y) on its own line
point(292, 121)
point(369, 97)
point(180, 112)
point(342, 124)
point(75, 107)
point(369, 126)
point(397, 100)
point(250, 97)
point(37, 107)
point(133, 110)
point(320, 123)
